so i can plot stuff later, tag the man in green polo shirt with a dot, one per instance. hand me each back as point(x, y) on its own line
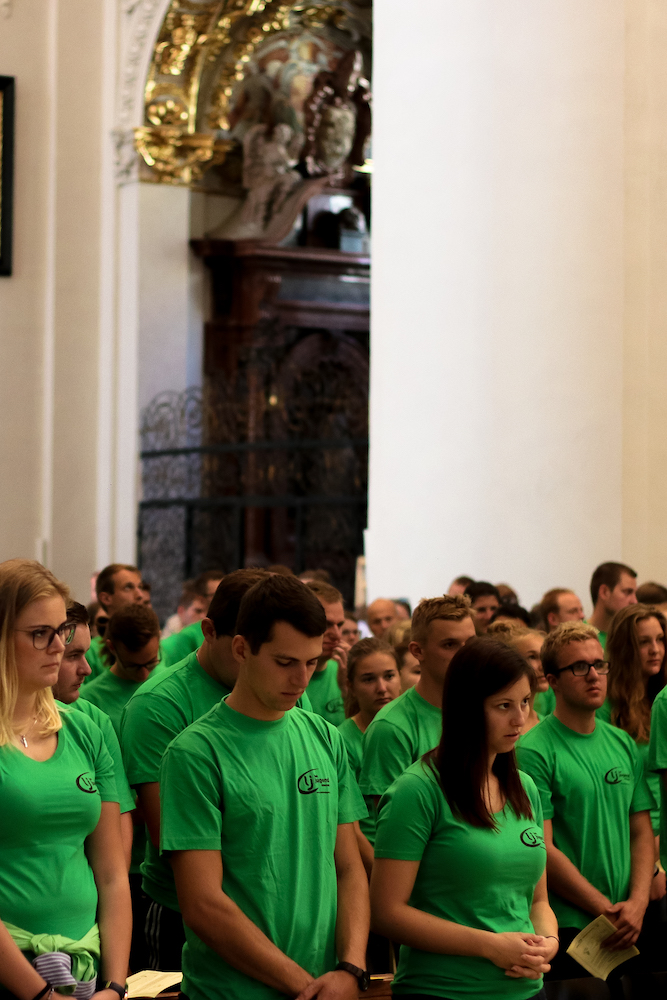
point(324, 691)
point(116, 586)
point(258, 812)
point(595, 801)
point(613, 586)
point(412, 724)
point(164, 706)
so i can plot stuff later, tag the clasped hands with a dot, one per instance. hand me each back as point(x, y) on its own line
point(522, 956)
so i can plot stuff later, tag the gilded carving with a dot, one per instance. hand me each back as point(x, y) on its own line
point(178, 157)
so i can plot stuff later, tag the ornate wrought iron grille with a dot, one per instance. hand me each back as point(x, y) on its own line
point(266, 464)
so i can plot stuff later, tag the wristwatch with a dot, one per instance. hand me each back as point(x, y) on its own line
point(359, 974)
point(117, 988)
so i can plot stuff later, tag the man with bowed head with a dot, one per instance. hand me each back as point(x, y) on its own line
point(116, 586)
point(595, 802)
point(258, 813)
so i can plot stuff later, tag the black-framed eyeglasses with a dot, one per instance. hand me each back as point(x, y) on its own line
point(581, 668)
point(43, 635)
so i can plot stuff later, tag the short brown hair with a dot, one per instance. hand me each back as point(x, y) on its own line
point(325, 592)
point(133, 626)
point(561, 636)
point(652, 593)
point(550, 603)
point(400, 633)
point(224, 607)
point(431, 609)
point(608, 574)
point(104, 583)
point(77, 614)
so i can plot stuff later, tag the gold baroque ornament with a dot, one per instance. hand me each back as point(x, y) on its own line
point(179, 157)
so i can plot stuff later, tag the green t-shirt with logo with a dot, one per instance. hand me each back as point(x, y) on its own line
point(474, 876)
point(269, 796)
point(545, 702)
point(400, 734)
point(97, 663)
point(652, 780)
point(353, 740)
point(325, 695)
point(657, 761)
point(176, 647)
point(590, 784)
point(165, 705)
point(48, 809)
point(102, 720)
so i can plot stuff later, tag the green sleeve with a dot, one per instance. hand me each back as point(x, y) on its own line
point(147, 728)
point(351, 805)
point(90, 738)
point(386, 754)
point(642, 798)
point(191, 802)
point(657, 754)
point(113, 746)
point(540, 770)
point(406, 818)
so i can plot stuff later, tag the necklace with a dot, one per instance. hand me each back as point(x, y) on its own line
point(23, 736)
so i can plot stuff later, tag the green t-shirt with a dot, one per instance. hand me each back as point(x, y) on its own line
point(400, 733)
point(470, 875)
point(165, 705)
point(657, 761)
point(590, 784)
point(652, 780)
point(176, 647)
point(97, 664)
point(353, 740)
point(111, 694)
point(102, 720)
point(48, 809)
point(545, 702)
point(269, 796)
point(325, 695)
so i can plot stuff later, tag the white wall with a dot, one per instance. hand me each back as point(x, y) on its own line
point(497, 308)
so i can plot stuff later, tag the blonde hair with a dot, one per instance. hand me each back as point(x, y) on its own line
point(562, 636)
point(431, 609)
point(23, 581)
point(399, 633)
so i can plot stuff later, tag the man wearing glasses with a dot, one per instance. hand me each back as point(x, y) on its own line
point(595, 800)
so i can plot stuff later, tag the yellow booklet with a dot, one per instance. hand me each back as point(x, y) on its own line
point(586, 950)
point(149, 984)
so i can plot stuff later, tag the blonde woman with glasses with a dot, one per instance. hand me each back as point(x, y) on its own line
point(64, 896)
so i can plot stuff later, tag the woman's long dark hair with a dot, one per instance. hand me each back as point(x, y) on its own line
point(480, 669)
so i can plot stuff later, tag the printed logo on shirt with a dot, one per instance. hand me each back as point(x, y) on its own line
point(335, 705)
point(531, 837)
point(86, 783)
point(616, 776)
point(310, 783)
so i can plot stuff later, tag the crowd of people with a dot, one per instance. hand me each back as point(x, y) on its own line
point(245, 793)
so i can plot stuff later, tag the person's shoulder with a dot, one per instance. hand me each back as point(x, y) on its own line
point(80, 724)
point(93, 712)
point(613, 734)
point(310, 721)
point(528, 783)
point(163, 683)
point(660, 701)
point(100, 683)
point(397, 709)
point(540, 735)
point(350, 729)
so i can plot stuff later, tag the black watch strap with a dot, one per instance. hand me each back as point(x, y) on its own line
point(359, 974)
point(117, 988)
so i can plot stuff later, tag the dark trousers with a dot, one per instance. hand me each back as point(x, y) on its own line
point(140, 901)
point(165, 937)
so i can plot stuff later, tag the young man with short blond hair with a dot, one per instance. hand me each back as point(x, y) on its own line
point(412, 724)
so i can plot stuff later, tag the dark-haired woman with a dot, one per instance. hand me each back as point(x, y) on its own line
point(373, 681)
point(636, 652)
point(459, 874)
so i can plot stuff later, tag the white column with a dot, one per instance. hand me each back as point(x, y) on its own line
point(497, 310)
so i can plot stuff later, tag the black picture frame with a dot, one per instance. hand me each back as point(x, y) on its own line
point(6, 172)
